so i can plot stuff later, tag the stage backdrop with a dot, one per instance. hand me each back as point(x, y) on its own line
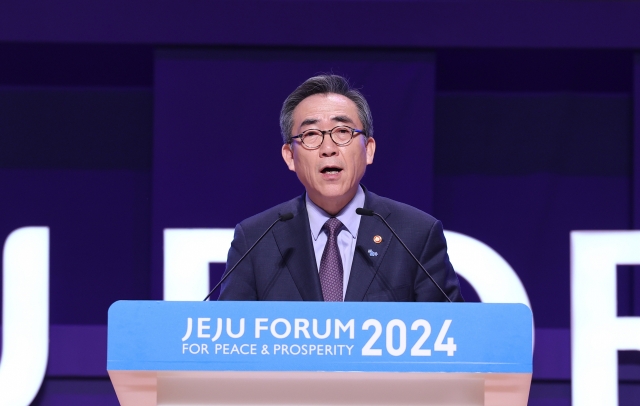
point(108, 136)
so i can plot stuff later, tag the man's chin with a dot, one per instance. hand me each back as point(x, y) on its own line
point(333, 194)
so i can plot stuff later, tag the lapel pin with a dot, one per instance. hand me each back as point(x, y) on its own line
point(372, 253)
point(377, 239)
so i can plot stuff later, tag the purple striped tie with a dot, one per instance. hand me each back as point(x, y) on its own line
point(331, 272)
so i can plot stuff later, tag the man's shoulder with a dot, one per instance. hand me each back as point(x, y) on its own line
point(397, 211)
point(264, 219)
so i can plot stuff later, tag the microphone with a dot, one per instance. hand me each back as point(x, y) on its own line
point(366, 212)
point(282, 217)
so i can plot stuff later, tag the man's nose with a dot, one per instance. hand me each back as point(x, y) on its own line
point(328, 148)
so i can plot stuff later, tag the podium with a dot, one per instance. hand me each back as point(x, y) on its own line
point(315, 353)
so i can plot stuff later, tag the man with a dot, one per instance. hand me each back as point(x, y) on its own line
point(327, 251)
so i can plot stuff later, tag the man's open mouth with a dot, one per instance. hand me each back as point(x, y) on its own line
point(331, 170)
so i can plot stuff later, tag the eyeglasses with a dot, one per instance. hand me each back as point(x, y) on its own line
point(340, 135)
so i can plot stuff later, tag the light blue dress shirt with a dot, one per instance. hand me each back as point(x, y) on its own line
point(347, 237)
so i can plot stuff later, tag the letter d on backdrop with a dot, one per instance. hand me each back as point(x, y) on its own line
point(597, 333)
point(25, 315)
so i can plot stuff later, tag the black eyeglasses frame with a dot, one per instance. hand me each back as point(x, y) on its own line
point(354, 132)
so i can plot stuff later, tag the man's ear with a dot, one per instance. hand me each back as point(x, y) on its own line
point(287, 155)
point(371, 149)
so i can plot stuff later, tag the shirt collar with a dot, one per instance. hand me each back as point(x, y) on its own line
point(347, 216)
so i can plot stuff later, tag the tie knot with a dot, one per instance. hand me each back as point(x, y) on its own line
point(332, 226)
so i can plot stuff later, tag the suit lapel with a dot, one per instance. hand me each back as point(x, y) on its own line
point(368, 254)
point(294, 242)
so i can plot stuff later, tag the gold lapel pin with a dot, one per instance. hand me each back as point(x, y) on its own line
point(377, 239)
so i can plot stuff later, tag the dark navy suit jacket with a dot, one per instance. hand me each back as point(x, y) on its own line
point(283, 264)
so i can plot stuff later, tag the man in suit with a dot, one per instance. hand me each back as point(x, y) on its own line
point(327, 251)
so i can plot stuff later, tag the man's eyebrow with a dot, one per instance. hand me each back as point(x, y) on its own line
point(339, 119)
point(343, 119)
point(309, 121)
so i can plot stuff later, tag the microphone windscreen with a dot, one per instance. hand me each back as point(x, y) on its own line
point(286, 216)
point(364, 212)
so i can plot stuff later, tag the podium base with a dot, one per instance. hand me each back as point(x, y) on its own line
point(193, 388)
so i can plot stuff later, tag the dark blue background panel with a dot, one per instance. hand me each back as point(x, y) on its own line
point(518, 134)
point(76, 65)
point(78, 161)
point(76, 128)
point(520, 171)
point(534, 70)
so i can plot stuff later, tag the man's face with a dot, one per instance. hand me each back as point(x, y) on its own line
point(330, 174)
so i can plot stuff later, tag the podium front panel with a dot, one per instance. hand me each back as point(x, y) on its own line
point(197, 353)
point(317, 336)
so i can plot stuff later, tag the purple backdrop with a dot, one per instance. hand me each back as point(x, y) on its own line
point(513, 122)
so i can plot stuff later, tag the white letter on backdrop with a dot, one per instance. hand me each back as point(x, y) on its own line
point(187, 254)
point(596, 332)
point(25, 315)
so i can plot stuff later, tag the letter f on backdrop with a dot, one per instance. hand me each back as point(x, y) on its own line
point(597, 333)
point(25, 315)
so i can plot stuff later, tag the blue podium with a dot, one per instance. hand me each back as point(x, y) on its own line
point(314, 353)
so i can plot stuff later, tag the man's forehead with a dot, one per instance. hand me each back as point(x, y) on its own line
point(331, 106)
